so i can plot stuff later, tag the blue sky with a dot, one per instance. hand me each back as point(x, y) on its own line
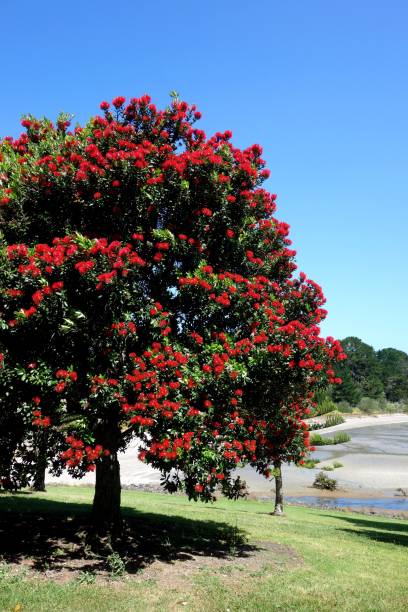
point(322, 86)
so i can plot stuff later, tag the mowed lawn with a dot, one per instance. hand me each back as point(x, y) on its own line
point(192, 556)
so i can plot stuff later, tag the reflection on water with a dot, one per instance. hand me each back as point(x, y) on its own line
point(386, 503)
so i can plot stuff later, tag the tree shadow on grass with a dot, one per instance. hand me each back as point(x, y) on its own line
point(380, 531)
point(47, 534)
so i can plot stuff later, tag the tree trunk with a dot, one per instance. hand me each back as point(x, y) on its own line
point(278, 489)
point(40, 464)
point(39, 475)
point(106, 515)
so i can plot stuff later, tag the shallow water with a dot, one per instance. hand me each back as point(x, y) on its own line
point(386, 503)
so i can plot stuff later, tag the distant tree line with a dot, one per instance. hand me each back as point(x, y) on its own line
point(371, 375)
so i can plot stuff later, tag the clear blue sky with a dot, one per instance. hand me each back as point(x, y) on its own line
point(322, 85)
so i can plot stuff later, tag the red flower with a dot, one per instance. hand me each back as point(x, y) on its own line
point(162, 246)
point(222, 178)
point(118, 101)
point(84, 266)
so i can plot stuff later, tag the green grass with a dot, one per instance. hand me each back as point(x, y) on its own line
point(339, 438)
point(333, 419)
point(326, 561)
point(310, 463)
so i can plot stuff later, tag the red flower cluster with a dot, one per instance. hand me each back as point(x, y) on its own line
point(78, 454)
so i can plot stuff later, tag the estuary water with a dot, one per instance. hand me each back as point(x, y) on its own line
point(385, 503)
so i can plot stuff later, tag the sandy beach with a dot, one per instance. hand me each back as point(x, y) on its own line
point(375, 463)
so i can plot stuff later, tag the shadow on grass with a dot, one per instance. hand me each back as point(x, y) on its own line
point(48, 534)
point(380, 531)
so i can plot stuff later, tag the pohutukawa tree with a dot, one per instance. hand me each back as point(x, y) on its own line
point(148, 290)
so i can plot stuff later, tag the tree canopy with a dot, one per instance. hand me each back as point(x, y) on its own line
point(148, 290)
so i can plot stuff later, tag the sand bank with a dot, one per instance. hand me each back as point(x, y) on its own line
point(375, 462)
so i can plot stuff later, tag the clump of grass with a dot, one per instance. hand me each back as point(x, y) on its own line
point(335, 418)
point(328, 468)
point(318, 440)
point(337, 464)
point(323, 407)
point(310, 463)
point(324, 482)
point(341, 437)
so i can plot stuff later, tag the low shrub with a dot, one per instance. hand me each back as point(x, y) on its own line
point(344, 407)
point(369, 405)
point(116, 564)
point(337, 464)
point(335, 418)
point(324, 482)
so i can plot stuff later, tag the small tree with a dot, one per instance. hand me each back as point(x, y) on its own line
point(147, 291)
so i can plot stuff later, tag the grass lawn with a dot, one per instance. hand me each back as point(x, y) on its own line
point(192, 556)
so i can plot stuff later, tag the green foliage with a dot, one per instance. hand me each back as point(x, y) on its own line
point(115, 564)
point(333, 419)
point(394, 373)
point(310, 463)
point(370, 374)
point(339, 438)
point(345, 407)
point(324, 482)
point(318, 440)
point(324, 407)
point(369, 405)
point(337, 464)
point(86, 577)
